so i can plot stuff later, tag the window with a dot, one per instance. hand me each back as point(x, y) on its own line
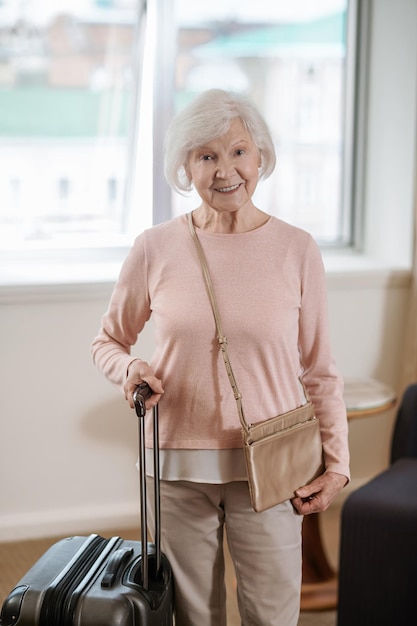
point(293, 61)
point(81, 84)
point(67, 96)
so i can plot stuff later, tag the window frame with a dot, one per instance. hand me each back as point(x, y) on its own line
point(354, 119)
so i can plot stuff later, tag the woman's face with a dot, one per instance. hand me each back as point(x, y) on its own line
point(225, 171)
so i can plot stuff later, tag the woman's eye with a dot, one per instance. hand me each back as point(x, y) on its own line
point(206, 157)
point(240, 152)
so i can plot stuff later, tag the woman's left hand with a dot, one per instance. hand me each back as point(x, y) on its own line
point(316, 496)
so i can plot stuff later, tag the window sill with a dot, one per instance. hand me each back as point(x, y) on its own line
point(48, 281)
point(43, 281)
point(85, 274)
point(355, 270)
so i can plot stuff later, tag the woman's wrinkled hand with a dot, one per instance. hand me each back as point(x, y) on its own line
point(138, 372)
point(317, 495)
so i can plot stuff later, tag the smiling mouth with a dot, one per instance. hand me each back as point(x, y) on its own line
point(228, 189)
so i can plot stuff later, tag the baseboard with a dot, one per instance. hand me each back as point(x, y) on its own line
point(55, 523)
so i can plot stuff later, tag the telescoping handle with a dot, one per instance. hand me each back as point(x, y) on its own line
point(142, 393)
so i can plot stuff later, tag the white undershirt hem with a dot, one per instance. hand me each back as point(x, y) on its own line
point(200, 466)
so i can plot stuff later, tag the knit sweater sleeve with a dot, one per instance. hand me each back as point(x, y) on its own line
point(128, 311)
point(321, 377)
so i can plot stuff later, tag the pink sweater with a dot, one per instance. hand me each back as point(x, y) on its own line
point(270, 287)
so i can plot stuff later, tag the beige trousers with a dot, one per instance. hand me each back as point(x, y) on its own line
point(265, 549)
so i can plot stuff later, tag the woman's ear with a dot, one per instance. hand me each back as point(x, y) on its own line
point(188, 173)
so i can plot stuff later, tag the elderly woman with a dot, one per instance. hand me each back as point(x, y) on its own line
point(269, 281)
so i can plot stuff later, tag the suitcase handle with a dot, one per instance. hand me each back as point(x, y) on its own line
point(117, 559)
point(141, 394)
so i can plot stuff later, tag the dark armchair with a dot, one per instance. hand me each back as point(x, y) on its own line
point(378, 546)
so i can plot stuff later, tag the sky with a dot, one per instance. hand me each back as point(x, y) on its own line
point(40, 11)
point(259, 10)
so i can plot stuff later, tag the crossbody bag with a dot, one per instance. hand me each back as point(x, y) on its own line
point(282, 453)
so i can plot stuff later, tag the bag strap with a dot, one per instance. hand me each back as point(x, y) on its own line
point(216, 313)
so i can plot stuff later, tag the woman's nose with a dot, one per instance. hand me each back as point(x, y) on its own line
point(225, 167)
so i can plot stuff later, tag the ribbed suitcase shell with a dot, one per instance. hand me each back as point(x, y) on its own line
point(93, 581)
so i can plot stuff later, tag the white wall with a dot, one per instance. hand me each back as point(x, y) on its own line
point(67, 438)
point(367, 321)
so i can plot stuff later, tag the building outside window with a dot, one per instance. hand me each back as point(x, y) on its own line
point(66, 101)
point(291, 60)
point(83, 83)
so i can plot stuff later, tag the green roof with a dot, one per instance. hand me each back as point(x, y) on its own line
point(330, 30)
point(42, 111)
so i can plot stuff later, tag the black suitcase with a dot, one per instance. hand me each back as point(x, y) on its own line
point(93, 581)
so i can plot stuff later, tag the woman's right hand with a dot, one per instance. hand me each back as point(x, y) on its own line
point(138, 372)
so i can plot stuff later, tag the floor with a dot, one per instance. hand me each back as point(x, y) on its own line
point(16, 558)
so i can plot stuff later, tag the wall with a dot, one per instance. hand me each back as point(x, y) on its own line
point(67, 438)
point(367, 320)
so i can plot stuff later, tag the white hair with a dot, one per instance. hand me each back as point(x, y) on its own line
point(208, 117)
